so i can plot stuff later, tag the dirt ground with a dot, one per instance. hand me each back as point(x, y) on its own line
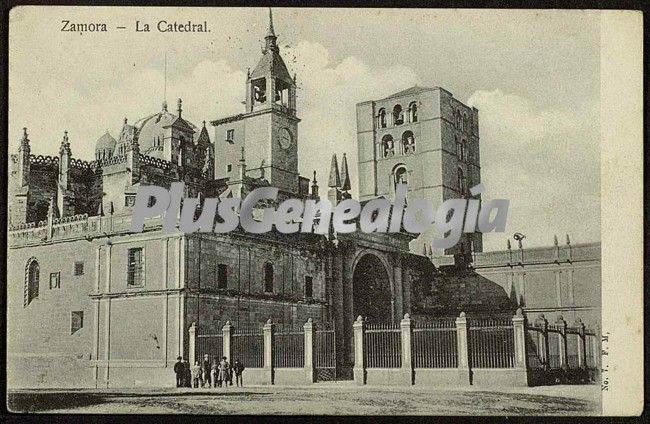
point(342, 398)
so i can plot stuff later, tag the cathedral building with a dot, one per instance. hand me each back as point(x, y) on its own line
point(91, 304)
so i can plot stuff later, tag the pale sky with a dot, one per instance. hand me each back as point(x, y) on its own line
point(533, 75)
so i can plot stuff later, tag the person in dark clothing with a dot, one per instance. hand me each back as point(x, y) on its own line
point(187, 375)
point(206, 368)
point(238, 369)
point(179, 370)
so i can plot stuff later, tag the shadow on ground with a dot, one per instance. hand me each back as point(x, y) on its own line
point(25, 402)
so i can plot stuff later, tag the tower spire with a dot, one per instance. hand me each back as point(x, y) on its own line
point(345, 175)
point(335, 177)
point(271, 30)
point(271, 38)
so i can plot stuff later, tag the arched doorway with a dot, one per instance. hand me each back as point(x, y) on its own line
point(371, 290)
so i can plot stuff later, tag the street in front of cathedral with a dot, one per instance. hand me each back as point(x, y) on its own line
point(143, 279)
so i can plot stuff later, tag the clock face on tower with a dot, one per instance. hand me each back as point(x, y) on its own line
point(285, 138)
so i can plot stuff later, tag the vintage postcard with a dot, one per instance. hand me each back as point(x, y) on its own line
point(324, 211)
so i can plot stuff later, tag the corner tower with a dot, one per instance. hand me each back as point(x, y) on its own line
point(268, 129)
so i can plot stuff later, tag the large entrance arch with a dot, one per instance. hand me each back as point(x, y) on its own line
point(371, 293)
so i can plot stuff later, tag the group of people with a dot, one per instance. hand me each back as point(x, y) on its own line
point(213, 373)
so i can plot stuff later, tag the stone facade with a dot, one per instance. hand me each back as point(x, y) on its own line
point(426, 138)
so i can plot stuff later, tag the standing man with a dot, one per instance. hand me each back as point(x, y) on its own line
point(196, 375)
point(238, 369)
point(179, 370)
point(205, 370)
point(186, 373)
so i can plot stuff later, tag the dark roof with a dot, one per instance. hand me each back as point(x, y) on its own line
point(271, 63)
point(410, 91)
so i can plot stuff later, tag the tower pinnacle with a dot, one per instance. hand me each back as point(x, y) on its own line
point(271, 38)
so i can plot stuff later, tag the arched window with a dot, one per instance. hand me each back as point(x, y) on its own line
point(459, 149)
point(457, 115)
point(268, 277)
point(464, 151)
point(381, 118)
point(398, 115)
point(462, 184)
point(387, 146)
point(408, 143)
point(400, 175)
point(32, 278)
point(413, 112)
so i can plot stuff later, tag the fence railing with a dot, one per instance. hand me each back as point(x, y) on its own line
point(435, 344)
point(289, 348)
point(491, 343)
point(557, 346)
point(308, 346)
point(383, 347)
point(248, 346)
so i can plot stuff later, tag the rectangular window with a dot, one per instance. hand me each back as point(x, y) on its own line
point(135, 267)
point(230, 136)
point(309, 287)
point(76, 321)
point(55, 280)
point(229, 167)
point(78, 268)
point(222, 276)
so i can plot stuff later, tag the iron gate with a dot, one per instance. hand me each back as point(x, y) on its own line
point(325, 352)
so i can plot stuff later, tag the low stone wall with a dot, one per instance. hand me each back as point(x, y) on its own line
point(387, 376)
point(499, 377)
point(440, 377)
point(255, 376)
point(290, 376)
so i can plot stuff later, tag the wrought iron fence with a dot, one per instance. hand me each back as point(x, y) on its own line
point(573, 340)
point(383, 346)
point(248, 346)
point(325, 352)
point(534, 339)
point(435, 344)
point(491, 343)
point(289, 348)
point(554, 335)
point(591, 353)
point(209, 344)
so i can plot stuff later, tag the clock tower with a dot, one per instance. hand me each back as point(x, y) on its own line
point(268, 129)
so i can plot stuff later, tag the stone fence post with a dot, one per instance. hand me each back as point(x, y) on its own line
point(359, 363)
point(582, 348)
point(310, 375)
point(519, 328)
point(464, 373)
point(269, 328)
point(226, 332)
point(562, 345)
point(406, 325)
point(192, 340)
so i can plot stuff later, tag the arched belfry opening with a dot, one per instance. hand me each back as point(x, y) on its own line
point(371, 290)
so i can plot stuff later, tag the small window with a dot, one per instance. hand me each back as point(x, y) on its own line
point(268, 277)
point(222, 276)
point(230, 136)
point(32, 283)
point(388, 146)
point(309, 286)
point(76, 321)
point(55, 280)
point(229, 167)
point(78, 268)
point(135, 267)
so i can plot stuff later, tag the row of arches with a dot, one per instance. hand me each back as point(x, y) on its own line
point(398, 115)
point(406, 147)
